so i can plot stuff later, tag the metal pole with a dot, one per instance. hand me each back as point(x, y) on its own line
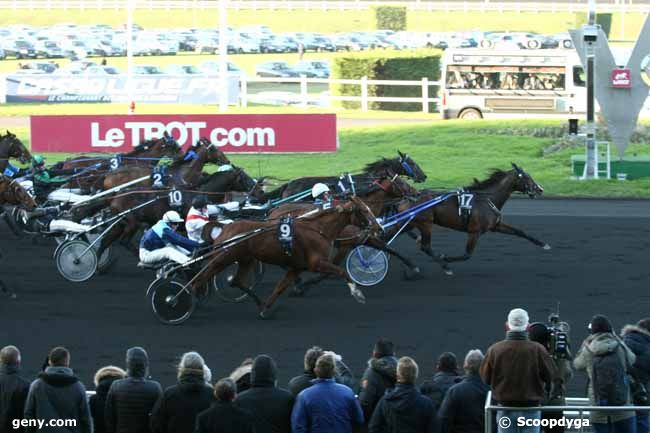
point(129, 52)
point(591, 171)
point(223, 56)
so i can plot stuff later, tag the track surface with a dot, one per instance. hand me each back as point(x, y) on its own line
point(599, 263)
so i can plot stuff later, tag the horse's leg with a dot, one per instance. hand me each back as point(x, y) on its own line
point(325, 267)
point(472, 240)
point(510, 230)
point(285, 282)
point(243, 277)
point(425, 247)
point(411, 273)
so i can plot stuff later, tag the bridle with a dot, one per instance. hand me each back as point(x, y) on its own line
point(405, 165)
point(15, 148)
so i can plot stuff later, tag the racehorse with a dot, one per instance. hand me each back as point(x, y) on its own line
point(402, 165)
point(312, 244)
point(490, 196)
point(12, 147)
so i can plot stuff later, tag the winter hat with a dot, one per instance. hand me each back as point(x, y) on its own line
point(109, 372)
point(600, 323)
point(264, 371)
point(517, 320)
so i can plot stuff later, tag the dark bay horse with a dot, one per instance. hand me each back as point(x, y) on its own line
point(12, 147)
point(490, 196)
point(403, 165)
point(313, 239)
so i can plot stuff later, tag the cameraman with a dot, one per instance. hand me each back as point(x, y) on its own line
point(554, 336)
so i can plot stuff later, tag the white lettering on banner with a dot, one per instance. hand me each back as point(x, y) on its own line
point(185, 131)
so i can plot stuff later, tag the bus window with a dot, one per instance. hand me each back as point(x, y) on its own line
point(579, 77)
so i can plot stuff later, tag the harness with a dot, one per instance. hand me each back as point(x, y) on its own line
point(407, 168)
point(159, 176)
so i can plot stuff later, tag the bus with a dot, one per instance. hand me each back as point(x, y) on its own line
point(479, 83)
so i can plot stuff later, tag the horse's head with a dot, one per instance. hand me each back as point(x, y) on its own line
point(215, 155)
point(410, 168)
point(12, 192)
point(257, 191)
point(525, 183)
point(16, 148)
point(395, 186)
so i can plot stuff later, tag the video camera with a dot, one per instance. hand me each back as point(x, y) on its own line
point(554, 335)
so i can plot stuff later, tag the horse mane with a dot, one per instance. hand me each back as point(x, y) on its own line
point(495, 177)
point(379, 165)
point(143, 146)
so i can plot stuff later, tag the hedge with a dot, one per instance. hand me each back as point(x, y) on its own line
point(390, 18)
point(387, 65)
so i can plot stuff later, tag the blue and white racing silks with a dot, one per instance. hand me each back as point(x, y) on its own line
point(161, 235)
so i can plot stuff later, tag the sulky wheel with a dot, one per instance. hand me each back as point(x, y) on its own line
point(107, 259)
point(367, 266)
point(170, 303)
point(222, 283)
point(76, 261)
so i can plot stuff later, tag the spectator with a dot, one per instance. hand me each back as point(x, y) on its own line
point(298, 383)
point(378, 377)
point(517, 369)
point(223, 416)
point(604, 352)
point(58, 394)
point(445, 377)
point(242, 375)
point(130, 400)
point(637, 338)
point(177, 409)
point(104, 378)
point(13, 388)
point(271, 406)
point(462, 410)
point(326, 406)
point(404, 409)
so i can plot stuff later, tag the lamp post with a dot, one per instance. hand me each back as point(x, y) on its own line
point(590, 36)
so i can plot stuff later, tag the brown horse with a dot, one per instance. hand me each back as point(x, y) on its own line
point(312, 246)
point(183, 172)
point(12, 193)
point(489, 198)
point(12, 147)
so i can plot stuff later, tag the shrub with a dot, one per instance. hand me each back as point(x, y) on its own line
point(390, 18)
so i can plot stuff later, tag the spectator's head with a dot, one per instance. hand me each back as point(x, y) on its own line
point(473, 361)
point(644, 324)
point(407, 370)
point(447, 363)
point(264, 372)
point(225, 390)
point(311, 356)
point(110, 372)
point(517, 320)
point(191, 365)
point(137, 362)
point(10, 355)
point(58, 357)
point(325, 367)
point(242, 375)
point(600, 323)
point(383, 348)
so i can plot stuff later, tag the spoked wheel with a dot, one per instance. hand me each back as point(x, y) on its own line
point(75, 261)
point(367, 266)
point(107, 259)
point(222, 283)
point(170, 303)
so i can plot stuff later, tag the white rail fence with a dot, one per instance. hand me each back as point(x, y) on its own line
point(629, 6)
point(304, 98)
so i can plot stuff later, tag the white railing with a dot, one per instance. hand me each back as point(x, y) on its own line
point(304, 98)
point(434, 5)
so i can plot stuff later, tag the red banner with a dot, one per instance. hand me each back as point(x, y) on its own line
point(233, 133)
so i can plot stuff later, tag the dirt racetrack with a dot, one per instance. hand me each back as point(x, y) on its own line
point(599, 263)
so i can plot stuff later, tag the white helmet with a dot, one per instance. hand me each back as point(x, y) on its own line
point(172, 217)
point(318, 189)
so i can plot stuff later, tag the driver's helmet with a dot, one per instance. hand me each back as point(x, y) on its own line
point(172, 217)
point(318, 189)
point(38, 160)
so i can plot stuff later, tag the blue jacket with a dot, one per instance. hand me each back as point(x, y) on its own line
point(161, 235)
point(326, 407)
point(462, 410)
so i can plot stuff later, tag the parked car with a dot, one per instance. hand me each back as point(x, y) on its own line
point(278, 44)
point(564, 40)
point(211, 67)
point(44, 67)
point(275, 69)
point(111, 70)
point(181, 70)
point(48, 49)
point(313, 68)
point(147, 70)
point(21, 49)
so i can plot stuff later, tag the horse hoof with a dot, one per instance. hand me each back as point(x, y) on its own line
point(265, 314)
point(448, 272)
point(412, 274)
point(296, 293)
point(359, 296)
point(546, 247)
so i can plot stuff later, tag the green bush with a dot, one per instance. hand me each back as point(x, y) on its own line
point(390, 18)
point(604, 20)
point(387, 65)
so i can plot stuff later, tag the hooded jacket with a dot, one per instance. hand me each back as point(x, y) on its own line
point(380, 375)
point(638, 340)
point(271, 406)
point(598, 344)
point(13, 394)
point(403, 409)
point(177, 409)
point(437, 387)
point(58, 394)
point(129, 401)
point(104, 378)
